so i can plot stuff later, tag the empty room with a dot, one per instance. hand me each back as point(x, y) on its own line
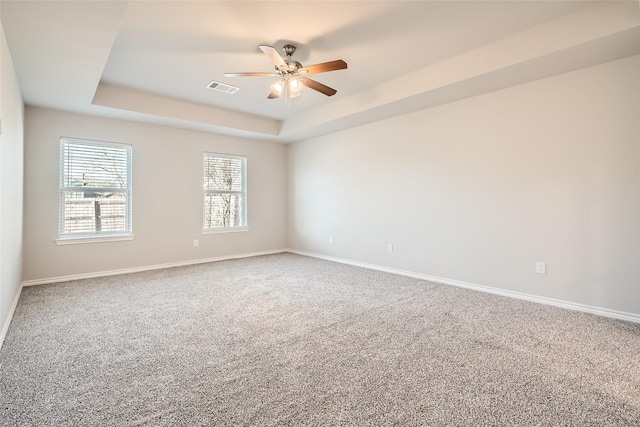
point(354, 213)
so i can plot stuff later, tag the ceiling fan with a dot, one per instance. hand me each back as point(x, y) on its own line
point(293, 74)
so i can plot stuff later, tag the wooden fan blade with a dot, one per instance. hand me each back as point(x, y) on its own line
point(250, 74)
point(317, 86)
point(273, 55)
point(324, 67)
point(274, 94)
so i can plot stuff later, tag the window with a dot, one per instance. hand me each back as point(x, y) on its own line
point(225, 192)
point(95, 189)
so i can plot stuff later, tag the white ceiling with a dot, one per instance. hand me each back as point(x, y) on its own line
point(151, 60)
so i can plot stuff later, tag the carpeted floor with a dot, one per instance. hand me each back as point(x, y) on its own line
point(290, 340)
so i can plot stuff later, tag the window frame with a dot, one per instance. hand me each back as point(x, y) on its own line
point(243, 192)
point(65, 238)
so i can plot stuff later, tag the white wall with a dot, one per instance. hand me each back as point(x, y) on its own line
point(474, 191)
point(11, 155)
point(479, 190)
point(167, 196)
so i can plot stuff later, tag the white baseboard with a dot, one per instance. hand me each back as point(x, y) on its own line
point(144, 268)
point(7, 321)
point(621, 315)
point(631, 317)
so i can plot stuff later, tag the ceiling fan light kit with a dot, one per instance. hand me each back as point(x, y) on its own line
point(292, 74)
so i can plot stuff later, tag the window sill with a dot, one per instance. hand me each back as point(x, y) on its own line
point(82, 240)
point(225, 230)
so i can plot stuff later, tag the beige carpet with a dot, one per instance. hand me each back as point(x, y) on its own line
point(289, 340)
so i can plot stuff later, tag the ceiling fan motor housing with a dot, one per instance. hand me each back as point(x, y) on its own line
point(292, 66)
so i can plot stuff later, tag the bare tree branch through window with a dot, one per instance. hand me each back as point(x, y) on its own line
point(224, 191)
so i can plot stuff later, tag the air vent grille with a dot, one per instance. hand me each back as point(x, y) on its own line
point(223, 87)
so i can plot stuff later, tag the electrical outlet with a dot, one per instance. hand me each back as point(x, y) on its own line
point(389, 247)
point(195, 242)
point(541, 267)
point(331, 240)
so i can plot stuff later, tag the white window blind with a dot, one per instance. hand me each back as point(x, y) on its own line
point(225, 191)
point(95, 189)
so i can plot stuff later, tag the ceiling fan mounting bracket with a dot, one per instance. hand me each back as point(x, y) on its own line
point(289, 49)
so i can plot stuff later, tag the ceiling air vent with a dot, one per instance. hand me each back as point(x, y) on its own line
point(222, 87)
